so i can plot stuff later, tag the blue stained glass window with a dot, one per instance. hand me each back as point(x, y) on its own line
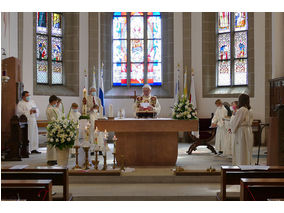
point(144, 54)
point(41, 20)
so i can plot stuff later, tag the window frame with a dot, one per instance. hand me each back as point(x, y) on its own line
point(49, 49)
point(128, 41)
point(232, 59)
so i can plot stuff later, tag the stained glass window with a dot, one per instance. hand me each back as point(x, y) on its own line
point(42, 72)
point(41, 23)
point(144, 54)
point(240, 21)
point(42, 47)
point(232, 46)
point(224, 22)
point(56, 24)
point(49, 56)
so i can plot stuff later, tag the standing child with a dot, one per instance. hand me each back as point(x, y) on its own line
point(242, 132)
point(74, 115)
point(218, 121)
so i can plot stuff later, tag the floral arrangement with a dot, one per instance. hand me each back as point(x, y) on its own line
point(183, 110)
point(62, 133)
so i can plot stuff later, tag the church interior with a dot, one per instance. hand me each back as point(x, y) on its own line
point(142, 106)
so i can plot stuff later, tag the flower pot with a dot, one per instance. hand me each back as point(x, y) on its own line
point(62, 157)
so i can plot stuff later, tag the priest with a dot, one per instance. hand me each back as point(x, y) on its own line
point(28, 108)
point(146, 103)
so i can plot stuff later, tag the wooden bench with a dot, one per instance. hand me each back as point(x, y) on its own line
point(58, 175)
point(231, 175)
point(32, 190)
point(261, 189)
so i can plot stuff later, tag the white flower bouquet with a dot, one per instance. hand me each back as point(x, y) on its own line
point(183, 110)
point(62, 133)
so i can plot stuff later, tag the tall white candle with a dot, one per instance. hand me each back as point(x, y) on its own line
point(101, 111)
point(110, 111)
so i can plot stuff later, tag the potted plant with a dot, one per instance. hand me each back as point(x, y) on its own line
point(183, 110)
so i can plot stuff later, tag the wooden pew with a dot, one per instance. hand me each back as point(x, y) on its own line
point(260, 189)
point(58, 175)
point(32, 190)
point(231, 175)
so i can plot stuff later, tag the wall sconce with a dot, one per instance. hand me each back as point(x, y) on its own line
point(5, 78)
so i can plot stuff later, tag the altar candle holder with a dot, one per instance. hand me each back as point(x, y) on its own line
point(114, 150)
point(96, 161)
point(77, 154)
point(122, 163)
point(86, 164)
point(113, 160)
point(105, 163)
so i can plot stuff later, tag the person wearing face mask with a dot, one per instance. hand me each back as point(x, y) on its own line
point(28, 108)
point(218, 121)
point(93, 106)
point(52, 113)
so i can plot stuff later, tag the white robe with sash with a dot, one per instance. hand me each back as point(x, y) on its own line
point(242, 137)
point(221, 134)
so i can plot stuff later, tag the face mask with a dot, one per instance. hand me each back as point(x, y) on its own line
point(231, 108)
point(93, 93)
point(54, 105)
point(28, 98)
point(75, 110)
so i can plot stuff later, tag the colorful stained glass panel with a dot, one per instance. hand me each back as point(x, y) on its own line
point(224, 73)
point(223, 22)
point(119, 13)
point(56, 73)
point(154, 50)
point(119, 28)
point(119, 51)
point(154, 13)
point(42, 47)
point(154, 74)
point(136, 13)
point(137, 74)
point(42, 72)
point(137, 50)
point(240, 72)
point(56, 49)
point(136, 27)
point(154, 27)
point(224, 46)
point(119, 74)
point(56, 24)
point(240, 21)
point(41, 23)
point(241, 45)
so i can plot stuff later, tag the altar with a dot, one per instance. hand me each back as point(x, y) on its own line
point(147, 142)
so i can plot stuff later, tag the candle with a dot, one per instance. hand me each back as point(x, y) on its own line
point(106, 134)
point(114, 143)
point(110, 111)
point(101, 112)
point(84, 93)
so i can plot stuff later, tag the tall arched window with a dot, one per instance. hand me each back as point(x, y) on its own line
point(49, 48)
point(232, 46)
point(136, 49)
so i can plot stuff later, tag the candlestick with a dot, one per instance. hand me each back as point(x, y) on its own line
point(122, 163)
point(110, 113)
point(105, 163)
point(96, 161)
point(113, 160)
point(77, 154)
point(86, 164)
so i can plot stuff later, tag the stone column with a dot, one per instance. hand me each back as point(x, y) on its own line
point(277, 45)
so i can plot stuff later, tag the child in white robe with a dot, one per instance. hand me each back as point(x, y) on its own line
point(242, 133)
point(74, 115)
point(218, 121)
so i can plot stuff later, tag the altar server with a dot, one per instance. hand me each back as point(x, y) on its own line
point(242, 132)
point(218, 121)
point(74, 115)
point(149, 102)
point(28, 108)
point(52, 113)
point(93, 106)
